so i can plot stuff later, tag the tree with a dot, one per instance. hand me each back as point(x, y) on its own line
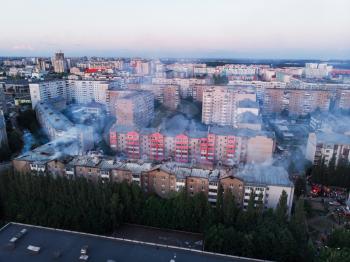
point(220, 204)
point(300, 186)
point(230, 208)
point(27, 120)
point(95, 207)
point(282, 208)
point(15, 141)
point(339, 238)
point(260, 204)
point(298, 227)
point(116, 211)
point(214, 238)
point(5, 153)
point(334, 255)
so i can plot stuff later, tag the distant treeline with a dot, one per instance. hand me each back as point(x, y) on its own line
point(78, 204)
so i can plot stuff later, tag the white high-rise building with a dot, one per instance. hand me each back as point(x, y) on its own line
point(223, 104)
point(45, 91)
point(78, 91)
point(83, 92)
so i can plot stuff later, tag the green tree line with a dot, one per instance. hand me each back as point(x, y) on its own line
point(332, 175)
point(78, 204)
point(338, 247)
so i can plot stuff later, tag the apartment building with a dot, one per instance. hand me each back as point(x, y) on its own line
point(303, 102)
point(83, 92)
point(240, 72)
point(165, 179)
point(44, 91)
point(168, 95)
point(273, 101)
point(325, 145)
point(258, 86)
point(38, 159)
point(59, 63)
point(77, 91)
point(342, 101)
point(159, 182)
point(223, 104)
point(301, 97)
point(133, 108)
point(296, 101)
point(314, 70)
point(217, 145)
point(234, 185)
point(59, 127)
point(268, 181)
point(185, 84)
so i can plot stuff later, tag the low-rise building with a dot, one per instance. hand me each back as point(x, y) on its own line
point(40, 159)
point(165, 179)
point(268, 181)
point(58, 126)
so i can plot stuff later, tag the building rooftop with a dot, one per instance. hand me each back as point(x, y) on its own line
point(264, 174)
point(182, 171)
point(134, 167)
point(248, 103)
point(87, 161)
point(64, 245)
point(51, 151)
point(249, 117)
point(55, 118)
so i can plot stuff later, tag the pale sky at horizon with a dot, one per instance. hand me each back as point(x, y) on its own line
point(178, 28)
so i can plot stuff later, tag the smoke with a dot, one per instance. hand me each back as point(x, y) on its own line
point(28, 141)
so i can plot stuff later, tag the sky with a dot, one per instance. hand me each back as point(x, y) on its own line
point(296, 29)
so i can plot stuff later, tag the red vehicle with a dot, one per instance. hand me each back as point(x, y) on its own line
point(316, 190)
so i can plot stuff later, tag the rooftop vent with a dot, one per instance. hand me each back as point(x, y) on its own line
point(33, 249)
point(15, 238)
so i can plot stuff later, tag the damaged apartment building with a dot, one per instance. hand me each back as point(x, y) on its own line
point(166, 179)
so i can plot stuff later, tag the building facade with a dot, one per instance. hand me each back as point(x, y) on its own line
point(59, 127)
point(327, 146)
point(221, 104)
point(59, 63)
point(78, 91)
point(219, 145)
point(168, 178)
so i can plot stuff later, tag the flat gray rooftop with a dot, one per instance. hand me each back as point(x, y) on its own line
point(100, 248)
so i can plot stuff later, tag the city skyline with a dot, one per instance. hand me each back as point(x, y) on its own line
point(210, 29)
